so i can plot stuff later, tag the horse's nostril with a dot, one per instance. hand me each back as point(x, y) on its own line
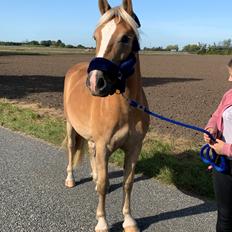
point(101, 83)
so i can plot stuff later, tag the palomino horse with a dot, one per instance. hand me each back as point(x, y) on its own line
point(101, 118)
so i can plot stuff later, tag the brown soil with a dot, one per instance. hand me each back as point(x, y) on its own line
point(185, 87)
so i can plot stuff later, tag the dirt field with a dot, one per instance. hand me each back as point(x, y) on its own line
point(182, 87)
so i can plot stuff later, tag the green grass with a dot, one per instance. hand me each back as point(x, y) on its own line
point(36, 50)
point(25, 120)
point(185, 170)
point(158, 159)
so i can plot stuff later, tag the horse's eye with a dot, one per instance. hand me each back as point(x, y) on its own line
point(94, 38)
point(124, 39)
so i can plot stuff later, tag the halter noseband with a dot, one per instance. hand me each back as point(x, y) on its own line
point(119, 72)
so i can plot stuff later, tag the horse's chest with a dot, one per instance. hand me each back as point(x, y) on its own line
point(118, 138)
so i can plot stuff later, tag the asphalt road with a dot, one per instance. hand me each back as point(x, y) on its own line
point(33, 196)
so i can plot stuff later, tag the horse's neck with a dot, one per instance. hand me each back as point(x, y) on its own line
point(134, 83)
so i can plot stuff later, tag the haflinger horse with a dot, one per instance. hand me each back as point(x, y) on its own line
point(98, 115)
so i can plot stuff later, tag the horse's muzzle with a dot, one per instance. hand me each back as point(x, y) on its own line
point(97, 84)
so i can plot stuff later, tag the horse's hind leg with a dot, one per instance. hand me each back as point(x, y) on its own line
point(131, 157)
point(73, 145)
point(92, 157)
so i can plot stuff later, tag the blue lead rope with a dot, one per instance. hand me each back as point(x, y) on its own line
point(208, 155)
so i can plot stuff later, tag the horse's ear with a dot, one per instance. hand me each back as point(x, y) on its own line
point(127, 5)
point(103, 6)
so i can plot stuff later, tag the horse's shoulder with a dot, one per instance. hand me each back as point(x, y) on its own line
point(80, 68)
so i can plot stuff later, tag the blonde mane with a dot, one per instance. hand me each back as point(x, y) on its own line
point(122, 15)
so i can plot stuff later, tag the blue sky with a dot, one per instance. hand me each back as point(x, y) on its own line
point(73, 21)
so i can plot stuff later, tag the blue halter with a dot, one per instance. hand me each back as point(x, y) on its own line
point(119, 72)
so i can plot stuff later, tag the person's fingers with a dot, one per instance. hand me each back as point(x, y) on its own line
point(212, 146)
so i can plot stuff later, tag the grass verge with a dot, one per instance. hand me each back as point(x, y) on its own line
point(159, 158)
point(42, 126)
point(183, 169)
point(36, 50)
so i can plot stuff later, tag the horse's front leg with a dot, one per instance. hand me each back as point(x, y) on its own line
point(72, 149)
point(131, 157)
point(101, 186)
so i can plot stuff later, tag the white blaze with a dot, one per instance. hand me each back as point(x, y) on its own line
point(107, 32)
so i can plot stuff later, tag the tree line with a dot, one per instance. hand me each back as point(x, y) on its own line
point(223, 48)
point(44, 43)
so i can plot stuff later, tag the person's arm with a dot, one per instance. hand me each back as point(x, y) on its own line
point(212, 123)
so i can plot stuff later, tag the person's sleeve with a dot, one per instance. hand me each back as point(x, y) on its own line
point(227, 149)
point(212, 123)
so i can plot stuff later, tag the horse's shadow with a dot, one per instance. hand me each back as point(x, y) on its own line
point(117, 174)
point(112, 175)
point(146, 222)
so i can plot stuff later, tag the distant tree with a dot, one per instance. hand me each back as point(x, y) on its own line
point(69, 46)
point(202, 48)
point(80, 46)
point(46, 43)
point(158, 49)
point(191, 48)
point(226, 43)
point(59, 43)
point(11, 43)
point(33, 42)
point(172, 48)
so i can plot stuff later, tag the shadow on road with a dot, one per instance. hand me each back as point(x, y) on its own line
point(146, 222)
point(118, 174)
point(113, 175)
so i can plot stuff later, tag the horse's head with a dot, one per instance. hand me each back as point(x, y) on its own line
point(116, 42)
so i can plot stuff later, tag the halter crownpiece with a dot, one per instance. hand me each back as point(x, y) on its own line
point(134, 16)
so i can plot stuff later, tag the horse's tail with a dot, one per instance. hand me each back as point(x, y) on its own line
point(80, 148)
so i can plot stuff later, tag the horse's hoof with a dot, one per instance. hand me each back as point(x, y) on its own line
point(70, 183)
point(131, 229)
point(101, 225)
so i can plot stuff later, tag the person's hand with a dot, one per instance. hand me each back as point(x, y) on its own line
point(213, 132)
point(218, 146)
